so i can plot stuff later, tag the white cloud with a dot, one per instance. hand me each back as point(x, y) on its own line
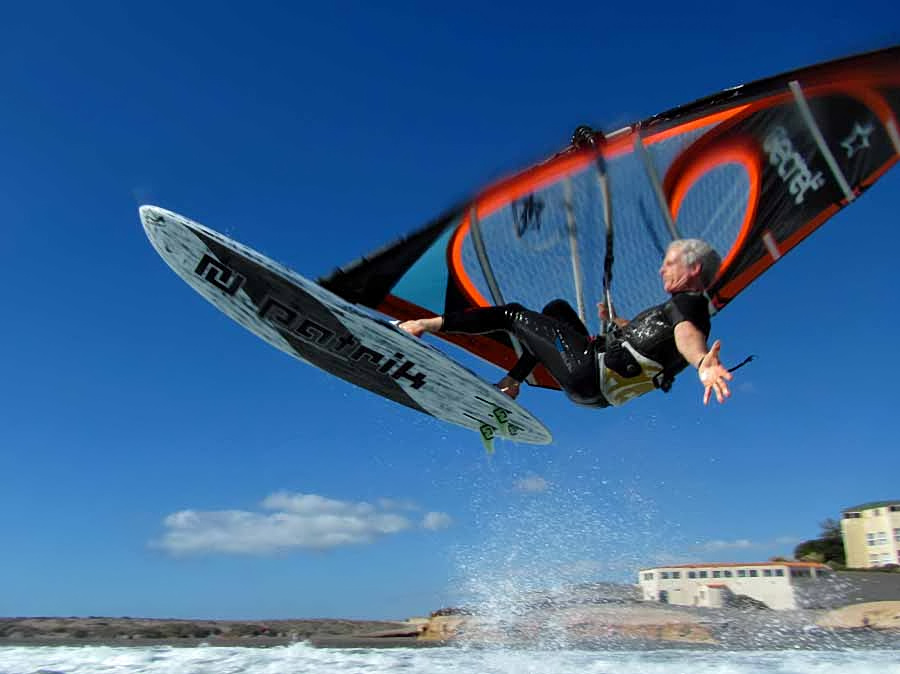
point(436, 521)
point(671, 558)
point(533, 483)
point(745, 544)
point(397, 504)
point(740, 544)
point(696, 553)
point(292, 520)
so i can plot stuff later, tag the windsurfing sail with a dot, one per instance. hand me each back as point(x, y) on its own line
point(753, 170)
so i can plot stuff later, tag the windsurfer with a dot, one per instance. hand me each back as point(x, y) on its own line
point(633, 358)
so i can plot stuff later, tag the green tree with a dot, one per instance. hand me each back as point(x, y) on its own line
point(828, 547)
point(830, 529)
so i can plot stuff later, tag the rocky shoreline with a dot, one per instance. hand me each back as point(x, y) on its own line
point(627, 624)
point(646, 624)
point(43, 631)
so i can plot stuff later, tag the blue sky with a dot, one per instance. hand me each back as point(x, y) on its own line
point(136, 421)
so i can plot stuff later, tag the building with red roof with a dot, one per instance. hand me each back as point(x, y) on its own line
point(715, 584)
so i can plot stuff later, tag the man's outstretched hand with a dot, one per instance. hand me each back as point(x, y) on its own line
point(714, 376)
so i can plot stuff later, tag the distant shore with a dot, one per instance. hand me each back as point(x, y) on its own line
point(591, 625)
point(71, 631)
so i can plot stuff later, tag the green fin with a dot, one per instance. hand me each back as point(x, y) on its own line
point(502, 417)
point(487, 437)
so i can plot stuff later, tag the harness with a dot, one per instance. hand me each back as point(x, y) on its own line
point(626, 373)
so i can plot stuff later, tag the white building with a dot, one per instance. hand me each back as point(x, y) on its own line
point(871, 534)
point(710, 585)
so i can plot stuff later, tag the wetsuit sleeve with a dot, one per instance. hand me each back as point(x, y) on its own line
point(690, 307)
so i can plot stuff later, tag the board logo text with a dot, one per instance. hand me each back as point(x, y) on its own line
point(289, 320)
point(223, 278)
point(344, 345)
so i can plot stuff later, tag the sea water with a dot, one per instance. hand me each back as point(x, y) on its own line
point(301, 658)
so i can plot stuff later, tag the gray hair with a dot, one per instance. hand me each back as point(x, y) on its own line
point(694, 251)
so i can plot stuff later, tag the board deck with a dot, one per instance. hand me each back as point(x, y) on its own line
point(306, 321)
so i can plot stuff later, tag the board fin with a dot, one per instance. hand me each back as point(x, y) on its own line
point(502, 417)
point(487, 433)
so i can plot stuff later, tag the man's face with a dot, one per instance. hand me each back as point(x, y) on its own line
point(676, 275)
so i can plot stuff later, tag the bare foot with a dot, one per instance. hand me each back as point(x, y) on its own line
point(413, 327)
point(418, 326)
point(509, 386)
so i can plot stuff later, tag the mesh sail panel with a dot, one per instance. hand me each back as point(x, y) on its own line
point(530, 249)
point(551, 242)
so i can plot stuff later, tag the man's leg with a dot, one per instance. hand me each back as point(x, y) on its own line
point(561, 345)
point(480, 321)
point(558, 309)
point(565, 349)
point(471, 321)
point(563, 311)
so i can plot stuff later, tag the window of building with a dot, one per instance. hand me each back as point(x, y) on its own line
point(870, 538)
point(664, 575)
point(851, 516)
point(727, 573)
point(676, 574)
point(881, 538)
point(767, 573)
point(897, 535)
point(648, 576)
point(703, 574)
point(754, 573)
point(895, 508)
point(692, 574)
point(873, 558)
point(717, 574)
point(742, 573)
point(779, 572)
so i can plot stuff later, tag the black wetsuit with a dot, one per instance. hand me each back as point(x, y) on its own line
point(652, 332)
point(559, 340)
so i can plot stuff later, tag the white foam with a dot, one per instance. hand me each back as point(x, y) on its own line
point(305, 658)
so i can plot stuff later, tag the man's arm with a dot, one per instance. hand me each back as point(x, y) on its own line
point(713, 375)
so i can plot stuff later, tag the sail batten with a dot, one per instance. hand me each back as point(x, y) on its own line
point(572, 228)
point(653, 177)
point(816, 132)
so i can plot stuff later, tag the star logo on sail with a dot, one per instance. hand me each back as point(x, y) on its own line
point(858, 140)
